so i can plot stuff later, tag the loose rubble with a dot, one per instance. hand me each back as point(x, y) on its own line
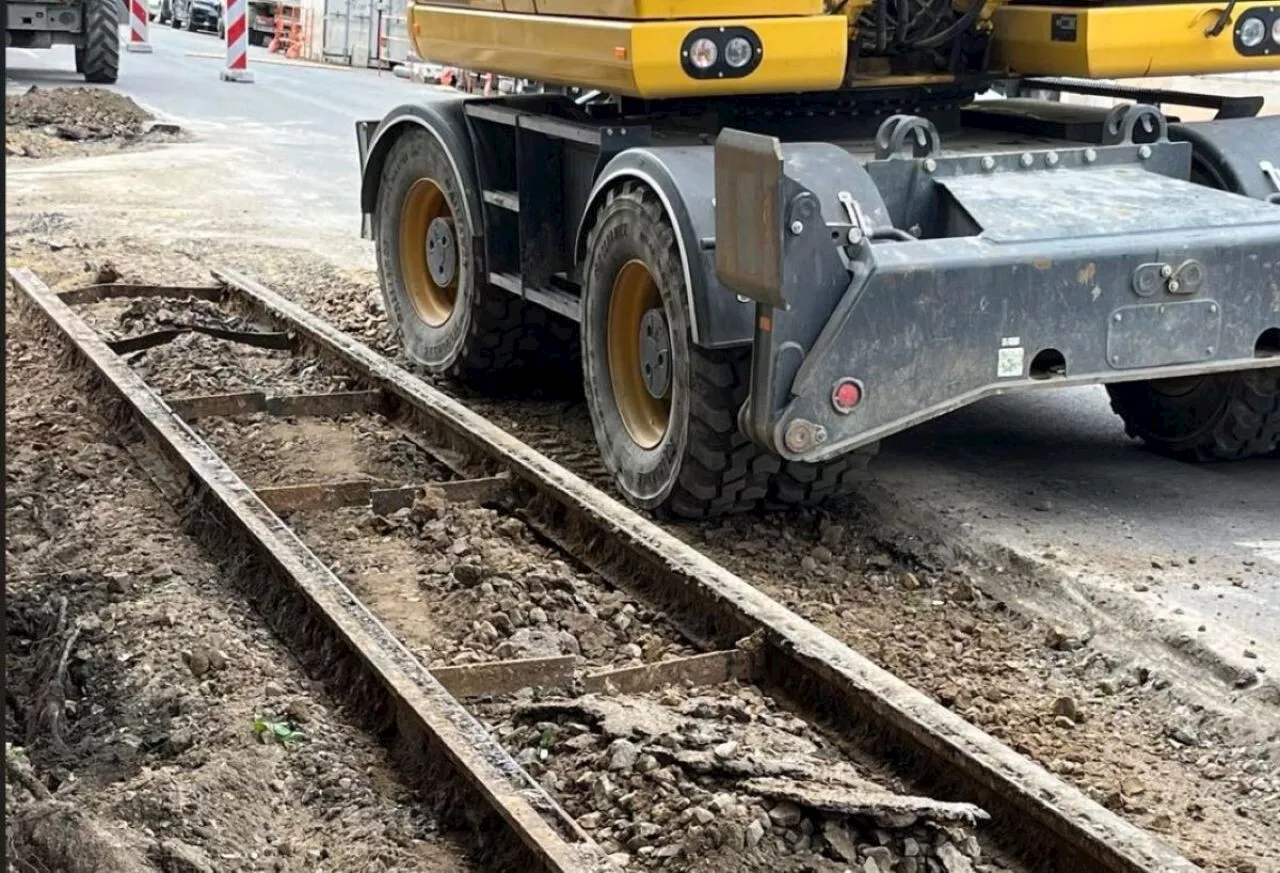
point(56, 122)
point(722, 778)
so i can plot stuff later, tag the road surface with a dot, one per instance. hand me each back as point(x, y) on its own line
point(1190, 552)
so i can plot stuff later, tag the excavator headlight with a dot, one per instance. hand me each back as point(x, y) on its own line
point(1251, 31)
point(738, 52)
point(703, 53)
point(721, 52)
point(1275, 31)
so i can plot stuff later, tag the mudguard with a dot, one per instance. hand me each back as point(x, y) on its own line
point(1232, 153)
point(443, 118)
point(683, 177)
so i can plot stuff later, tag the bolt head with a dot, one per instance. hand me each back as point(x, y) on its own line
point(1117, 317)
point(1144, 152)
point(988, 163)
point(1166, 271)
point(1051, 159)
point(797, 227)
point(1090, 155)
point(798, 436)
point(930, 165)
point(1174, 285)
point(1026, 160)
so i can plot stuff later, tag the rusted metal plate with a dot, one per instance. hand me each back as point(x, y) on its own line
point(712, 668)
point(504, 677)
point(260, 339)
point(970, 765)
point(749, 215)
point(551, 836)
point(299, 405)
point(98, 293)
point(316, 495)
point(487, 488)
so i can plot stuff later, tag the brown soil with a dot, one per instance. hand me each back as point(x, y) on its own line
point(64, 122)
point(135, 680)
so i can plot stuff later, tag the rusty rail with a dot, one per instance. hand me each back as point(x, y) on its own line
point(552, 838)
point(1055, 827)
point(1052, 824)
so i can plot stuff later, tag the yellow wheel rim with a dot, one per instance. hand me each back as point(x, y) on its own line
point(645, 417)
point(424, 204)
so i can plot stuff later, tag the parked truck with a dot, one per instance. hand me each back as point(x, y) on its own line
point(92, 26)
point(770, 234)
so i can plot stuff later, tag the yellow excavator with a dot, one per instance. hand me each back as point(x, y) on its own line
point(767, 234)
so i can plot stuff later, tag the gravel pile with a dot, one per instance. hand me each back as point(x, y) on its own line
point(490, 590)
point(724, 779)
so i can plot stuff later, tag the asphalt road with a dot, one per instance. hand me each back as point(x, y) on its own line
point(1050, 475)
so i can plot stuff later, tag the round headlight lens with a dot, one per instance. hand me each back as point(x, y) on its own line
point(1275, 31)
point(703, 53)
point(1252, 32)
point(738, 52)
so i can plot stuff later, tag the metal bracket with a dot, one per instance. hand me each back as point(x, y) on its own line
point(1272, 173)
point(899, 133)
point(750, 210)
point(1123, 121)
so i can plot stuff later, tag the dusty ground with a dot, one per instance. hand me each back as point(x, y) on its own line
point(138, 688)
point(1116, 725)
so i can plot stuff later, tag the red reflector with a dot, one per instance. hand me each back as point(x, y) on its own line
point(847, 394)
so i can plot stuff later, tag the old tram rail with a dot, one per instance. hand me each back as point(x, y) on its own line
point(1036, 817)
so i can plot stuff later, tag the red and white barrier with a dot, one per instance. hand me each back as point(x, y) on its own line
point(138, 18)
point(237, 28)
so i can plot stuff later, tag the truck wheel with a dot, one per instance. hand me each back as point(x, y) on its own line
point(448, 318)
point(190, 23)
point(664, 411)
point(79, 60)
point(1218, 417)
point(101, 58)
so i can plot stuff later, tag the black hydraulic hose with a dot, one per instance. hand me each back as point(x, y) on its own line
point(958, 27)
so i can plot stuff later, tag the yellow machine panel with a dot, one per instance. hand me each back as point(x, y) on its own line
point(632, 58)
point(645, 10)
point(1123, 41)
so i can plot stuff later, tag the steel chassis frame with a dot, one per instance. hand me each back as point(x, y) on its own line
point(1080, 253)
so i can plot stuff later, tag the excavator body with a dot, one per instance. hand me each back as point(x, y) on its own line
point(765, 236)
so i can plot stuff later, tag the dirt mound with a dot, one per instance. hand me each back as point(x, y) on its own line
point(76, 113)
point(61, 122)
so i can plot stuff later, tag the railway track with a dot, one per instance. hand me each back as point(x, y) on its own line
point(593, 691)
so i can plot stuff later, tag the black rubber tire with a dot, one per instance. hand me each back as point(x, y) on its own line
point(704, 466)
point(190, 24)
point(256, 38)
point(79, 54)
point(493, 340)
point(101, 64)
point(1219, 417)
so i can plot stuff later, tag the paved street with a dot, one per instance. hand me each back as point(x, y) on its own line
point(1050, 476)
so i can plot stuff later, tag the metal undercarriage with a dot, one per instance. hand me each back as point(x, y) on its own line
point(930, 257)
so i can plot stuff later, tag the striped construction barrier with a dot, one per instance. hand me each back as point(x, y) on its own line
point(237, 30)
point(138, 18)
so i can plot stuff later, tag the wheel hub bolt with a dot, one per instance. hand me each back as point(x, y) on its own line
point(655, 353)
point(442, 253)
